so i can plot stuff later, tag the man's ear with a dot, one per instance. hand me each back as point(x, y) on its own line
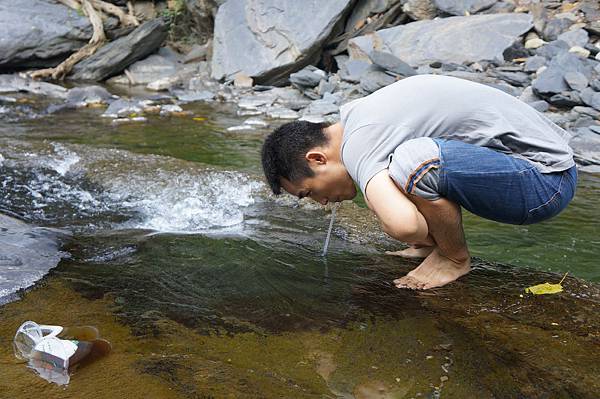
point(317, 157)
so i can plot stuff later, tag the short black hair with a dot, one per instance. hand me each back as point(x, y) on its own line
point(283, 152)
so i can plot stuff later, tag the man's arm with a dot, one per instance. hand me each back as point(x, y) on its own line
point(398, 216)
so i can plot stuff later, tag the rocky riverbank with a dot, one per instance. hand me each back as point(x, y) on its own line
point(302, 60)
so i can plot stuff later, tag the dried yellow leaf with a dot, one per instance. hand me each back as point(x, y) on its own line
point(199, 119)
point(546, 288)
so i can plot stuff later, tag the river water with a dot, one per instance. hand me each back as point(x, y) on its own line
point(208, 286)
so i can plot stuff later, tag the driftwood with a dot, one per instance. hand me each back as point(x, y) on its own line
point(94, 10)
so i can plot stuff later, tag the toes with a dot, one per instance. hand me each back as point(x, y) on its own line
point(408, 282)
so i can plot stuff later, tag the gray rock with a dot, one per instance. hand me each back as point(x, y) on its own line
point(37, 33)
point(514, 78)
point(540, 106)
point(576, 80)
point(326, 86)
point(463, 7)
point(391, 63)
point(197, 53)
point(577, 37)
point(321, 107)
point(566, 99)
point(189, 96)
point(366, 8)
point(27, 253)
point(375, 80)
point(552, 49)
point(419, 9)
point(555, 27)
point(586, 146)
point(589, 111)
point(352, 70)
point(15, 84)
point(455, 39)
point(307, 77)
point(595, 84)
point(591, 98)
point(552, 80)
point(83, 96)
point(528, 95)
point(117, 55)
point(269, 39)
point(122, 108)
point(282, 113)
point(151, 68)
point(534, 63)
point(516, 50)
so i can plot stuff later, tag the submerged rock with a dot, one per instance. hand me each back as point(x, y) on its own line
point(117, 55)
point(455, 39)
point(269, 39)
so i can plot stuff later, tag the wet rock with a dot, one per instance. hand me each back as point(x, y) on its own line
point(169, 109)
point(577, 37)
point(420, 9)
point(555, 27)
point(37, 33)
point(16, 84)
point(534, 63)
point(552, 49)
point(455, 39)
point(88, 95)
point(117, 55)
point(309, 76)
point(552, 80)
point(269, 39)
point(240, 128)
point(391, 63)
point(576, 80)
point(26, 254)
point(282, 113)
point(463, 7)
point(189, 96)
point(134, 119)
point(122, 107)
point(256, 122)
point(375, 80)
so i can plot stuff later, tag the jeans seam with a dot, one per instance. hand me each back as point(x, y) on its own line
point(558, 192)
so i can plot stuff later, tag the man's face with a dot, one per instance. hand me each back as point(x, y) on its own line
point(330, 183)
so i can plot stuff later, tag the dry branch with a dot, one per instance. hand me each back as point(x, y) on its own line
point(126, 19)
point(97, 40)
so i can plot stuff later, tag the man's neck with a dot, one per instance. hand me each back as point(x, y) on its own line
point(335, 134)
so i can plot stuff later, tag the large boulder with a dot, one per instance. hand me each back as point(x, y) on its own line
point(37, 33)
point(449, 40)
point(117, 55)
point(269, 39)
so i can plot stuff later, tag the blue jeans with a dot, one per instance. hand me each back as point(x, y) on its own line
point(499, 187)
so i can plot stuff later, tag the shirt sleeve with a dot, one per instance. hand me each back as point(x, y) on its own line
point(415, 167)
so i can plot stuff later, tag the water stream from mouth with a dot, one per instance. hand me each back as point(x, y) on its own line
point(329, 229)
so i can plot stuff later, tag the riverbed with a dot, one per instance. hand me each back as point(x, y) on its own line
point(208, 286)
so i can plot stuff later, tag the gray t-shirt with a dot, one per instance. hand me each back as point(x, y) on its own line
point(394, 127)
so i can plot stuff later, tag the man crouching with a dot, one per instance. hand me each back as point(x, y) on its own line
point(420, 149)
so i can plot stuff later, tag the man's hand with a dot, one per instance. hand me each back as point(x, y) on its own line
point(398, 216)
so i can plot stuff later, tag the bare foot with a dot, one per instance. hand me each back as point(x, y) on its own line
point(412, 252)
point(435, 271)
